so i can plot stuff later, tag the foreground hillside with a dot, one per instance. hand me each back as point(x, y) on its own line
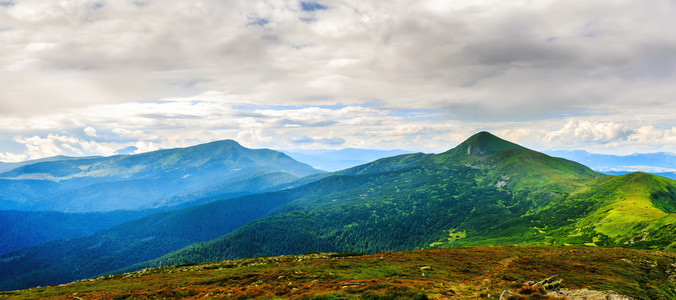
point(450, 273)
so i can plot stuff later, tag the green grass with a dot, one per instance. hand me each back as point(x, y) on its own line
point(464, 273)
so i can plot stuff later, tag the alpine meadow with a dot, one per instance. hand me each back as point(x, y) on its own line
point(315, 149)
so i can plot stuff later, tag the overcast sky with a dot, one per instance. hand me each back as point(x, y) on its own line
point(81, 77)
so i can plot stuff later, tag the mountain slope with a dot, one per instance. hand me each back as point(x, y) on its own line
point(633, 210)
point(22, 229)
point(154, 179)
point(132, 242)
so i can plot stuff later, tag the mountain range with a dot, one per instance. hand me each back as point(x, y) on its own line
point(660, 163)
point(485, 191)
point(156, 179)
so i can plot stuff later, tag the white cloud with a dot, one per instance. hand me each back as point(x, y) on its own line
point(142, 147)
point(89, 131)
point(579, 132)
point(10, 157)
point(55, 144)
point(597, 137)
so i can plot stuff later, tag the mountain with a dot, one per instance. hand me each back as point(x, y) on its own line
point(670, 175)
point(661, 163)
point(156, 179)
point(485, 191)
point(6, 166)
point(451, 273)
point(127, 150)
point(334, 160)
point(22, 229)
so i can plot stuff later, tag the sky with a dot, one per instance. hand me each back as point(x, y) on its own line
point(80, 77)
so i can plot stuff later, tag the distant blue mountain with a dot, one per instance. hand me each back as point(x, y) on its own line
point(6, 166)
point(127, 150)
point(334, 160)
point(155, 179)
point(660, 163)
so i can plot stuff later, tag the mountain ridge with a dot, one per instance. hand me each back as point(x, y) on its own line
point(163, 177)
point(658, 163)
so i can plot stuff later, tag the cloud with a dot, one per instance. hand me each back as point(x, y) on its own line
point(597, 137)
point(142, 147)
point(577, 132)
point(486, 60)
point(89, 131)
point(55, 144)
point(11, 157)
point(387, 74)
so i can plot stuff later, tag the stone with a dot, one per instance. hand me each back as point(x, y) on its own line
point(585, 294)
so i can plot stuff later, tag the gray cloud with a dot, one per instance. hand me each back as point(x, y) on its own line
point(397, 53)
point(486, 64)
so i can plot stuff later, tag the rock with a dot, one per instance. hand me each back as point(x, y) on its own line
point(585, 294)
point(506, 294)
point(349, 284)
point(423, 268)
point(549, 284)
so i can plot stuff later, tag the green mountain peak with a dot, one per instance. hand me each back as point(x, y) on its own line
point(484, 143)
